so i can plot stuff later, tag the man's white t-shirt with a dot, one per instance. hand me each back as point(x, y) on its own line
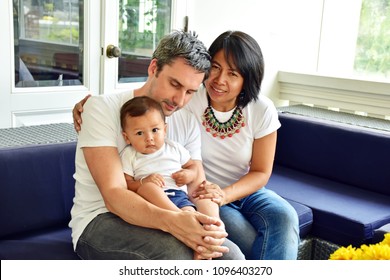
point(167, 160)
point(226, 160)
point(101, 127)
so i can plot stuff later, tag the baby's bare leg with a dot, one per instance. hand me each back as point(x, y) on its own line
point(156, 195)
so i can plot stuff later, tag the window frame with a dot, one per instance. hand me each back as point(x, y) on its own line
point(334, 86)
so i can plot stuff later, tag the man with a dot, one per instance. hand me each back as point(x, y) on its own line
point(110, 222)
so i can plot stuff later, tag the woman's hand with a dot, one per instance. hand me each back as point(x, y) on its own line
point(76, 112)
point(208, 190)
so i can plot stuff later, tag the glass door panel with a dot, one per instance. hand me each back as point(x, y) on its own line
point(142, 23)
point(132, 38)
point(48, 42)
point(59, 52)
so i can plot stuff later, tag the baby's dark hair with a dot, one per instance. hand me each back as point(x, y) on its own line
point(138, 106)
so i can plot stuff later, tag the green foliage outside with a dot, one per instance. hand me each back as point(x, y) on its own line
point(373, 43)
point(59, 34)
point(134, 39)
point(131, 39)
point(64, 35)
point(61, 22)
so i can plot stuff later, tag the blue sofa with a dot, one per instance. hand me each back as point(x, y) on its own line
point(340, 171)
point(335, 176)
point(36, 192)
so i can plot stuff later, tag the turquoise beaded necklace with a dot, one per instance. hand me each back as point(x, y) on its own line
point(225, 129)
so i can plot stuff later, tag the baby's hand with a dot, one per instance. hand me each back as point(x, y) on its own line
point(183, 177)
point(156, 179)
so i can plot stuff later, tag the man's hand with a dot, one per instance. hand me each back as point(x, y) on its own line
point(213, 243)
point(76, 112)
point(202, 233)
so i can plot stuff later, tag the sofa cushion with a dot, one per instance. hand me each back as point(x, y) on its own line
point(344, 153)
point(47, 244)
point(342, 214)
point(305, 215)
point(36, 186)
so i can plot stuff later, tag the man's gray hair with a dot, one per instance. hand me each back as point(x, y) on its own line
point(185, 45)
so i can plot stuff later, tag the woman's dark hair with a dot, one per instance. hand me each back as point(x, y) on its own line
point(242, 51)
point(138, 106)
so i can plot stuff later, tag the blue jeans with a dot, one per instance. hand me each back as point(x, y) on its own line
point(108, 237)
point(263, 225)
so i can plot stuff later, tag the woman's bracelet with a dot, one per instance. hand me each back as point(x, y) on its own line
point(140, 180)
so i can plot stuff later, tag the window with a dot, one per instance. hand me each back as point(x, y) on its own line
point(55, 21)
point(48, 46)
point(373, 43)
point(351, 72)
point(142, 23)
point(355, 39)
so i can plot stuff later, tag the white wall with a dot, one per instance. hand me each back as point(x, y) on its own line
point(288, 31)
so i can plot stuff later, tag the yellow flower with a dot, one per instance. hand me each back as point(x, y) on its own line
point(376, 252)
point(344, 253)
point(379, 251)
point(387, 239)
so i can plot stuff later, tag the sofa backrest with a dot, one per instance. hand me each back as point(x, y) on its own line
point(345, 153)
point(36, 187)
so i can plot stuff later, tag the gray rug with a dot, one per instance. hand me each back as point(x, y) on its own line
point(39, 134)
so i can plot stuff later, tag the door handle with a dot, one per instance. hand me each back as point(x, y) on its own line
point(113, 51)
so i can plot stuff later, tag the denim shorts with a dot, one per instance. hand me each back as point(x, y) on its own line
point(179, 198)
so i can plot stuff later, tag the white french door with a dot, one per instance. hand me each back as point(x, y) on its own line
point(135, 31)
point(60, 73)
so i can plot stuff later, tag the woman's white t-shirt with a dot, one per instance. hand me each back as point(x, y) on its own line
point(226, 160)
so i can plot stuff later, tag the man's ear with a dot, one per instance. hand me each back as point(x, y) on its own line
point(152, 69)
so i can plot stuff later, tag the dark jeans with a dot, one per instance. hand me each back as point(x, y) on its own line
point(108, 237)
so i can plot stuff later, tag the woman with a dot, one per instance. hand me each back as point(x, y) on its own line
point(238, 146)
